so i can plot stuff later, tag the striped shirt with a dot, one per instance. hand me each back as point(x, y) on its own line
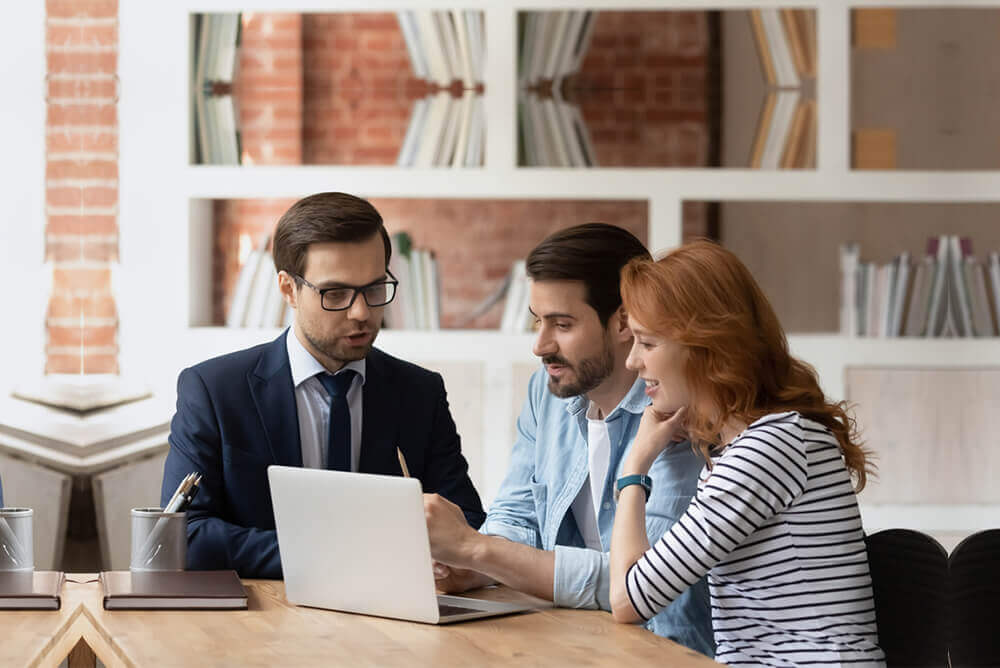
point(776, 526)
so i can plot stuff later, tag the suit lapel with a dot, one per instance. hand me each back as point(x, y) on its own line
point(274, 397)
point(379, 424)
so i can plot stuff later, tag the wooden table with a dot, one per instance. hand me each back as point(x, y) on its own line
point(273, 632)
point(45, 638)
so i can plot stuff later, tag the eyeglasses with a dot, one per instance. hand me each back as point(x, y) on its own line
point(342, 298)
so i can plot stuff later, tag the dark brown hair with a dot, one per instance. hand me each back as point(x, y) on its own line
point(594, 254)
point(702, 297)
point(321, 218)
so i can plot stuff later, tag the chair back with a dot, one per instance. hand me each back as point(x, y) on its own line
point(975, 587)
point(909, 572)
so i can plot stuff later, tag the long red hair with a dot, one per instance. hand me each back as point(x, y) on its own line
point(702, 297)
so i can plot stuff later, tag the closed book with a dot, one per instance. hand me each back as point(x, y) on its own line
point(982, 318)
point(34, 590)
point(916, 312)
point(173, 590)
point(937, 247)
point(899, 294)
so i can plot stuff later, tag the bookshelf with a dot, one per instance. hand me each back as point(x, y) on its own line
point(164, 243)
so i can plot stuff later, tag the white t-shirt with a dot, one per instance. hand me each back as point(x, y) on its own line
point(587, 505)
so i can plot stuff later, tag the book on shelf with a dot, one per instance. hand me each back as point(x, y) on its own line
point(414, 131)
point(551, 133)
point(787, 126)
point(241, 295)
point(466, 110)
point(411, 36)
point(849, 259)
point(449, 135)
point(430, 38)
point(417, 304)
point(449, 43)
point(516, 316)
point(216, 130)
point(919, 297)
point(947, 293)
point(445, 46)
point(445, 132)
point(477, 134)
point(555, 44)
point(476, 38)
point(993, 285)
point(257, 301)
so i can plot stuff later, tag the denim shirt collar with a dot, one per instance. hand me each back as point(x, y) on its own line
point(634, 401)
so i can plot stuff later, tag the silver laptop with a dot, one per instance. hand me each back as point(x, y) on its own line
point(357, 542)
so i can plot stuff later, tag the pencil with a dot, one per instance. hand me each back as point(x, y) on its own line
point(402, 463)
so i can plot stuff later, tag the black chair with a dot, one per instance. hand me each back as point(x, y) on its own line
point(910, 582)
point(975, 588)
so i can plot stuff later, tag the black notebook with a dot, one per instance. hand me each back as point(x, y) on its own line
point(173, 590)
point(38, 590)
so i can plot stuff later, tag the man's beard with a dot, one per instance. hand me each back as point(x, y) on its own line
point(340, 354)
point(589, 373)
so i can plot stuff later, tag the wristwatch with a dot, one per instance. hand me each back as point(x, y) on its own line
point(635, 479)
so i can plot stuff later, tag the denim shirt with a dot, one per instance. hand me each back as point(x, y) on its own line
point(548, 466)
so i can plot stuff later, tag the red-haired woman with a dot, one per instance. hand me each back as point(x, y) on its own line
point(775, 521)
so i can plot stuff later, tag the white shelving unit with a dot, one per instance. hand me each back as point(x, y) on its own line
point(22, 231)
point(163, 225)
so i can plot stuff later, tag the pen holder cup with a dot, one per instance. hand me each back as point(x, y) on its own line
point(159, 540)
point(17, 553)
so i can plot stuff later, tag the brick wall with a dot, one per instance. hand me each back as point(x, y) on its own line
point(643, 88)
point(269, 88)
point(81, 184)
point(359, 88)
point(475, 241)
point(324, 88)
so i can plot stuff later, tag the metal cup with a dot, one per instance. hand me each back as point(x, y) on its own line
point(159, 540)
point(17, 552)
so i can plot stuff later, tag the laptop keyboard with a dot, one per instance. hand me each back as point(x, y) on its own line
point(445, 609)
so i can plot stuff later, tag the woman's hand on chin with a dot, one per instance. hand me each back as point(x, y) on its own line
point(656, 432)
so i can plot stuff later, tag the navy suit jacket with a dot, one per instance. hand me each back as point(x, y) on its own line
point(236, 415)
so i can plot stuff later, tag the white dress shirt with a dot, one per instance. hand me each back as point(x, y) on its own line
point(313, 404)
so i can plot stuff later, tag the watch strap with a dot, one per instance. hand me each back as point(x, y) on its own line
point(635, 479)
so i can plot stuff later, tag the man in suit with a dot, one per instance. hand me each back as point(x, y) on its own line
point(318, 396)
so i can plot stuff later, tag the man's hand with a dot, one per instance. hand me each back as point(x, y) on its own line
point(450, 580)
point(452, 539)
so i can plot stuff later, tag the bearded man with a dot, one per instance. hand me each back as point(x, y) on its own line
point(548, 531)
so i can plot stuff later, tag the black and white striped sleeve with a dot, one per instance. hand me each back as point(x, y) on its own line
point(757, 476)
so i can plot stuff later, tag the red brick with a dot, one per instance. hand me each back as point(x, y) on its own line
point(98, 196)
point(81, 35)
point(82, 89)
point(61, 142)
point(82, 225)
point(375, 21)
point(81, 8)
point(98, 306)
point(66, 169)
point(80, 281)
point(82, 114)
point(95, 363)
point(82, 63)
point(63, 197)
point(63, 363)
